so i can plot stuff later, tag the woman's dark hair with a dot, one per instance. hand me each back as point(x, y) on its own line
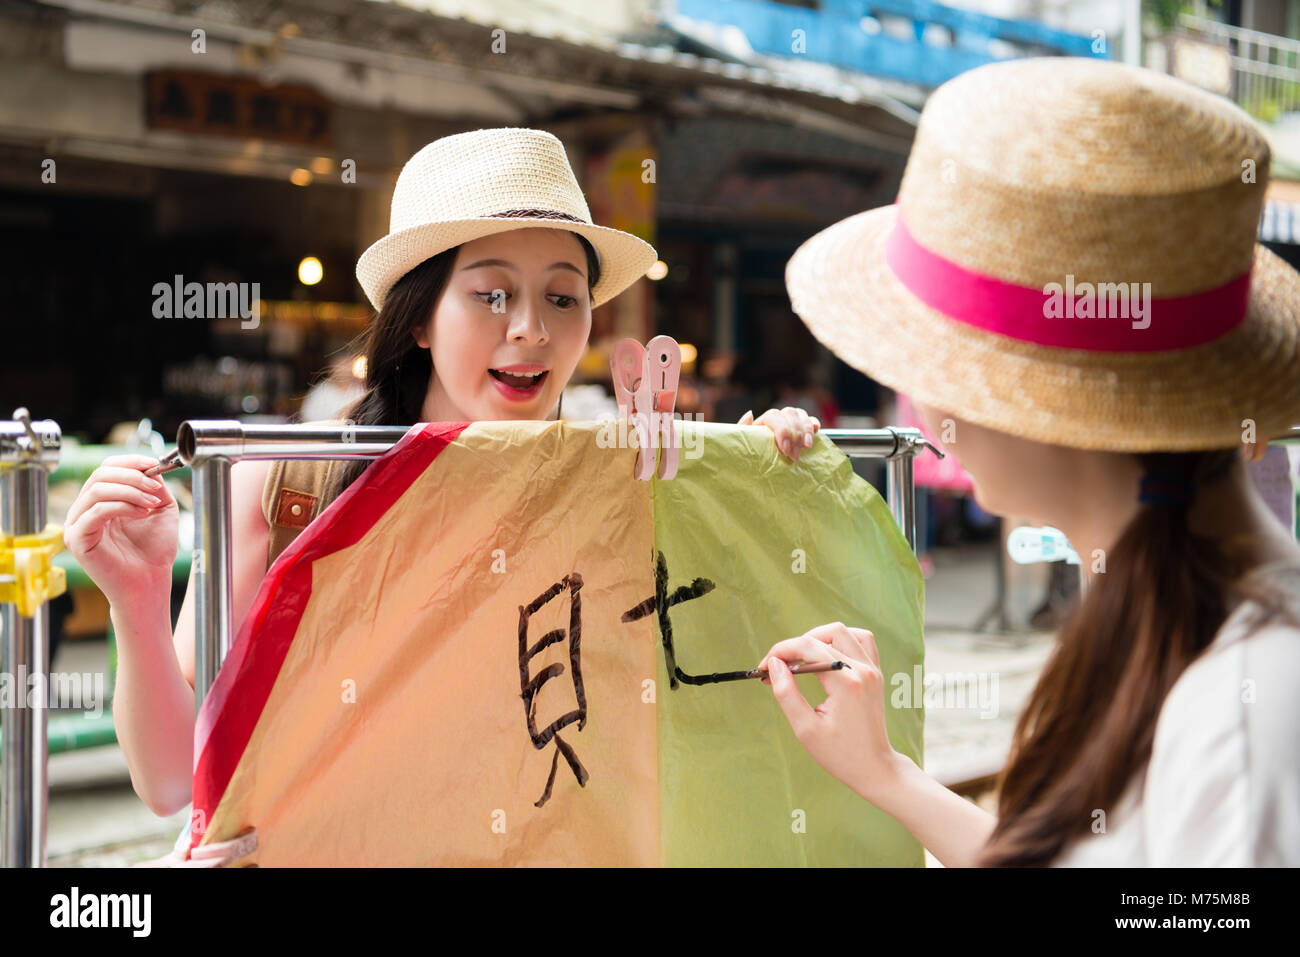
point(1089, 725)
point(398, 370)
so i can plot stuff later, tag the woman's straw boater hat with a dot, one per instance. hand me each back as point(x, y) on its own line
point(1075, 173)
point(470, 185)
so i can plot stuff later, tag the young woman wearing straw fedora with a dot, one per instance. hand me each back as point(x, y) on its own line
point(1163, 729)
point(484, 288)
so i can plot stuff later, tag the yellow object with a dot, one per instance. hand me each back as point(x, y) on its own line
point(310, 271)
point(28, 575)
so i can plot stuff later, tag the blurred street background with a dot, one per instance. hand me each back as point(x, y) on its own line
point(258, 143)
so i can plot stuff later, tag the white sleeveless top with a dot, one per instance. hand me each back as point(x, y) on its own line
point(1222, 788)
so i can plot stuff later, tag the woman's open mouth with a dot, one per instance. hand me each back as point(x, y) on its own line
point(518, 386)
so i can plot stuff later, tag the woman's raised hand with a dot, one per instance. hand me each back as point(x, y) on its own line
point(122, 527)
point(845, 734)
point(793, 427)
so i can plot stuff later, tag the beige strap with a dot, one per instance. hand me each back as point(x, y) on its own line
point(292, 497)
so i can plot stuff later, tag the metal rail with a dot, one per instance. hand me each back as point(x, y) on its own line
point(1263, 68)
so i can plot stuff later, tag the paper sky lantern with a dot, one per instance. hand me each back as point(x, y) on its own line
point(464, 659)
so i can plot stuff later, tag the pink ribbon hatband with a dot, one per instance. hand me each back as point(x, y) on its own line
point(1109, 316)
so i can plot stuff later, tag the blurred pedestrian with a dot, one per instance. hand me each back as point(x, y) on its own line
point(331, 396)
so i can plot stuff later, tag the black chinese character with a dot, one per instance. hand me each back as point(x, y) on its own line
point(531, 685)
point(661, 601)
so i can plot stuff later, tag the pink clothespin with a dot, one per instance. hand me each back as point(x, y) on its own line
point(627, 366)
point(632, 392)
point(663, 363)
point(645, 387)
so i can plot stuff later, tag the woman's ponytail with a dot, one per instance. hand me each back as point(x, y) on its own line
point(1154, 603)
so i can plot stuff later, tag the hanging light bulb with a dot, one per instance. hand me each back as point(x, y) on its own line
point(310, 271)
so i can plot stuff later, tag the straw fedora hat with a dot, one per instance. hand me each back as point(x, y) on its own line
point(469, 185)
point(992, 288)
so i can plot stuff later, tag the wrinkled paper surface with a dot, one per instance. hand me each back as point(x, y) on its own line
point(396, 732)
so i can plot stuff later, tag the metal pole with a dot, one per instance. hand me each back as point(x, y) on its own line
point(869, 443)
point(211, 448)
point(212, 575)
point(898, 447)
point(1132, 38)
point(902, 495)
point(26, 449)
point(199, 440)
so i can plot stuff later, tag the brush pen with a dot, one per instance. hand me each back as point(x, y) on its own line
point(168, 463)
point(762, 672)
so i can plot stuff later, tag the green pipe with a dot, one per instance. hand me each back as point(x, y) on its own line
point(76, 731)
point(72, 732)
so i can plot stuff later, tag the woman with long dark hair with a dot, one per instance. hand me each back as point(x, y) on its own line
point(483, 289)
point(1070, 285)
